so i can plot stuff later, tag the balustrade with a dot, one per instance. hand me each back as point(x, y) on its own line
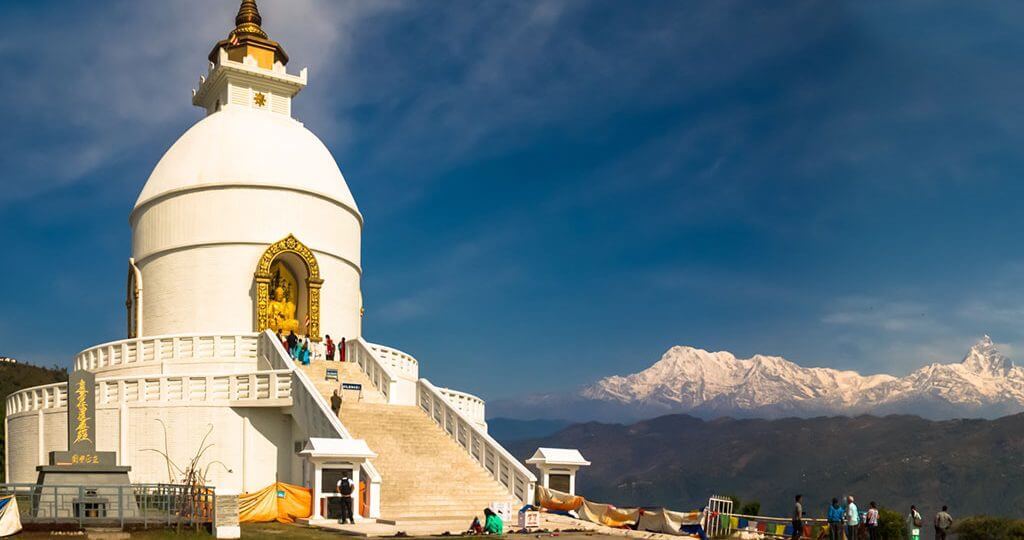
point(157, 349)
point(478, 444)
point(258, 386)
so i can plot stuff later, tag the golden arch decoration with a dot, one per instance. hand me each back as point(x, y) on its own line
point(289, 244)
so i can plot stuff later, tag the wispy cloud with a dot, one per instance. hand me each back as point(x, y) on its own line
point(95, 97)
point(880, 314)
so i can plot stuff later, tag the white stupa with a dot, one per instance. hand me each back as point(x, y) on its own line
point(245, 228)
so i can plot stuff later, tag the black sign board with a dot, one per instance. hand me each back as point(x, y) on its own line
point(351, 386)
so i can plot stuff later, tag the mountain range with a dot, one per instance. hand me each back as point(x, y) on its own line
point(985, 384)
point(974, 466)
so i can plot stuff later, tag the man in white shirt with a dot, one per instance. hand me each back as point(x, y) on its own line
point(852, 519)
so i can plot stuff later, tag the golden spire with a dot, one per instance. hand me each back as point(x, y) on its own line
point(248, 20)
point(249, 39)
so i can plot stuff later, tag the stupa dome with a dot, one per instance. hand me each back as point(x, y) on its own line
point(241, 146)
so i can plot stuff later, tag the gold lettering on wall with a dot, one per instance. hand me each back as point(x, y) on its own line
point(82, 428)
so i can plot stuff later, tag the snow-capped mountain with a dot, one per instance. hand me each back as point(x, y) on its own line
point(687, 379)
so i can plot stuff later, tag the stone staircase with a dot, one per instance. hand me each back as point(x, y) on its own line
point(426, 475)
point(348, 372)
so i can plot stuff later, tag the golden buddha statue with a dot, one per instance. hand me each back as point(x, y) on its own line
point(281, 313)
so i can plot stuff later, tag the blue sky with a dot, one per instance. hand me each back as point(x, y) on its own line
point(565, 188)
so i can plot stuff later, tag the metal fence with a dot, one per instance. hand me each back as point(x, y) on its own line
point(148, 505)
point(719, 509)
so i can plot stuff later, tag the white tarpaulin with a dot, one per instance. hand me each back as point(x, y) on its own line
point(10, 518)
point(667, 521)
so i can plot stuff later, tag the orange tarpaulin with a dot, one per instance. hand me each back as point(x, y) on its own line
point(277, 502)
point(557, 500)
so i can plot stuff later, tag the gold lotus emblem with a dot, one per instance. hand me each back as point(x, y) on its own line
point(260, 99)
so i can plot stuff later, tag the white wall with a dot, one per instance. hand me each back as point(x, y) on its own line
point(255, 443)
point(198, 251)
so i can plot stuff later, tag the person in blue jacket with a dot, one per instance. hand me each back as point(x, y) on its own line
point(835, 520)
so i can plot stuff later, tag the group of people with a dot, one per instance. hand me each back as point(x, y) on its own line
point(302, 350)
point(846, 519)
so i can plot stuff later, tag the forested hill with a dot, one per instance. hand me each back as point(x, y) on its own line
point(974, 466)
point(14, 377)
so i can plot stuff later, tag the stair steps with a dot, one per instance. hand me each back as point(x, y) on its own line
point(426, 476)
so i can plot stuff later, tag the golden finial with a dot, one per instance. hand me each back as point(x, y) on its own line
point(248, 20)
point(249, 39)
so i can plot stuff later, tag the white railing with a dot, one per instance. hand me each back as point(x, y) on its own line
point(402, 364)
point(157, 349)
point(470, 405)
point(380, 374)
point(506, 469)
point(399, 387)
point(267, 386)
point(310, 408)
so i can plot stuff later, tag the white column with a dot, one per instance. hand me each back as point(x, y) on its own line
point(317, 491)
point(374, 509)
point(245, 454)
point(122, 438)
point(41, 438)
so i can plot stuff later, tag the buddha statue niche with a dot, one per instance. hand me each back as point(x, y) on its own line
point(281, 313)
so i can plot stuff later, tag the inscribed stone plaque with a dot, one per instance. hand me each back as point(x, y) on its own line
point(225, 519)
point(82, 413)
point(227, 511)
point(81, 452)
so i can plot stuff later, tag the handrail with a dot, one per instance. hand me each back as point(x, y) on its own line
point(402, 363)
point(472, 406)
point(156, 349)
point(305, 396)
point(507, 470)
point(308, 403)
point(175, 388)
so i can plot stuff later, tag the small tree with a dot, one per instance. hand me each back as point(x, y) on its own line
point(891, 525)
point(751, 508)
point(989, 528)
point(736, 503)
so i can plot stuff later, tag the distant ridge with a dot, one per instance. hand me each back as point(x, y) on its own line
point(975, 466)
point(985, 384)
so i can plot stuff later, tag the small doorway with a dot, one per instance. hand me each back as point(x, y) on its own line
point(559, 482)
point(329, 487)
